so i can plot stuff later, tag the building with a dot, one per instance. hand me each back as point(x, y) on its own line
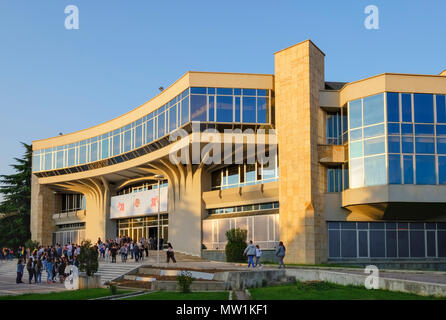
point(360, 171)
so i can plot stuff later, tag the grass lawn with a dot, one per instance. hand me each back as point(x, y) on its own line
point(163, 295)
point(328, 291)
point(65, 295)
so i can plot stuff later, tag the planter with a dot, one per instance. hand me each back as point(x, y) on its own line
point(91, 282)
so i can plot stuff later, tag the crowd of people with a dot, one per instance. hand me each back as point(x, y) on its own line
point(253, 251)
point(6, 254)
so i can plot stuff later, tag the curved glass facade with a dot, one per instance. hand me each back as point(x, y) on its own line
point(222, 105)
point(397, 138)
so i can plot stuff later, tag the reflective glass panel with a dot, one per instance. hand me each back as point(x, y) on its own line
point(424, 108)
point(375, 170)
point(425, 170)
point(395, 169)
point(441, 109)
point(355, 114)
point(393, 107)
point(249, 110)
point(408, 169)
point(198, 108)
point(406, 107)
point(374, 109)
point(224, 108)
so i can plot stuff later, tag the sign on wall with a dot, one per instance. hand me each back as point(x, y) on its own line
point(138, 203)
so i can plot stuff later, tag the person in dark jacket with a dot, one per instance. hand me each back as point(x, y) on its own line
point(280, 254)
point(170, 253)
point(19, 271)
point(136, 252)
point(30, 268)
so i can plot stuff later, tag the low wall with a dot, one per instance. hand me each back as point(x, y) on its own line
point(241, 280)
point(420, 288)
point(219, 255)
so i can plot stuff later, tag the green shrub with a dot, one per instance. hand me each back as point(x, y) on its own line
point(236, 245)
point(113, 289)
point(88, 258)
point(185, 280)
point(32, 244)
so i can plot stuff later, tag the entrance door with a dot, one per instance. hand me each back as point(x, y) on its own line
point(123, 232)
point(137, 233)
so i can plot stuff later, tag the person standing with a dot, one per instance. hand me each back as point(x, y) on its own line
point(38, 270)
point(113, 253)
point(250, 251)
point(30, 268)
point(280, 254)
point(136, 252)
point(258, 255)
point(19, 271)
point(170, 253)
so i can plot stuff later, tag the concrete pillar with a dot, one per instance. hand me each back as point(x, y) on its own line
point(299, 77)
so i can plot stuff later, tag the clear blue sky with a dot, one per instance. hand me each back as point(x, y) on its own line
point(55, 80)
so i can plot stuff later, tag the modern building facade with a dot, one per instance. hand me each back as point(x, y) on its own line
point(359, 172)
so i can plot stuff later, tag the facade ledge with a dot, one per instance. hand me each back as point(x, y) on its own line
point(332, 154)
point(69, 217)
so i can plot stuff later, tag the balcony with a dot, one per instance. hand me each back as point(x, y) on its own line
point(330, 155)
point(69, 217)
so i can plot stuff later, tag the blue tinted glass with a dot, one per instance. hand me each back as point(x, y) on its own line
point(424, 108)
point(356, 150)
point(424, 145)
point(211, 90)
point(425, 169)
point(261, 110)
point(442, 170)
point(375, 170)
point(395, 169)
point(441, 109)
point(49, 159)
point(393, 110)
point(172, 118)
point(249, 109)
point(374, 131)
point(355, 114)
point(94, 151)
point(237, 92)
point(36, 162)
point(149, 131)
point(59, 159)
point(441, 130)
point(374, 109)
point(249, 92)
point(72, 154)
point(393, 128)
point(394, 144)
point(198, 108)
point(356, 134)
point(198, 90)
point(224, 109)
point(116, 145)
point(211, 109)
point(407, 144)
point(374, 146)
point(104, 151)
point(225, 91)
point(237, 109)
point(406, 107)
point(424, 129)
point(441, 145)
point(161, 124)
point(185, 111)
point(408, 169)
point(406, 128)
point(262, 92)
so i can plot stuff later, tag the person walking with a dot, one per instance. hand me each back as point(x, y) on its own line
point(250, 251)
point(258, 255)
point(19, 271)
point(38, 270)
point(30, 268)
point(170, 253)
point(280, 254)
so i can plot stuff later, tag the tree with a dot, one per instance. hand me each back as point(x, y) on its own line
point(16, 204)
point(236, 245)
point(88, 258)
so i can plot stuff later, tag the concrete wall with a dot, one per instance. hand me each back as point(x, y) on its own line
point(219, 255)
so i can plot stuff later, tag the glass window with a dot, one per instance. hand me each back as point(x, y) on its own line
point(363, 244)
point(403, 244)
point(391, 243)
point(212, 109)
point(59, 159)
point(224, 108)
point(198, 90)
point(233, 175)
point(393, 128)
point(374, 109)
point(442, 170)
point(424, 129)
point(377, 244)
point(262, 111)
point(185, 111)
point(334, 243)
point(82, 154)
point(425, 170)
point(72, 156)
point(249, 92)
point(355, 113)
point(441, 109)
point(374, 131)
point(374, 146)
point(149, 131)
point(172, 118)
point(161, 125)
point(356, 150)
point(393, 104)
point(395, 169)
point(408, 169)
point(406, 107)
point(249, 110)
point(138, 136)
point(417, 244)
point(237, 109)
point(127, 141)
point(393, 144)
point(94, 152)
point(356, 173)
point(424, 145)
point(225, 91)
point(375, 170)
point(262, 93)
point(250, 173)
point(348, 243)
point(198, 108)
point(424, 108)
point(407, 129)
point(356, 134)
point(407, 144)
point(441, 145)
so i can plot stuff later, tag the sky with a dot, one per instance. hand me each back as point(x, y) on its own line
point(54, 80)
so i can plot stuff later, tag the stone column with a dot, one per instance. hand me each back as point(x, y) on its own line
point(299, 77)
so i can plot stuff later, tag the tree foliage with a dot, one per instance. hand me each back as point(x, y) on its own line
point(16, 205)
point(236, 245)
point(88, 258)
